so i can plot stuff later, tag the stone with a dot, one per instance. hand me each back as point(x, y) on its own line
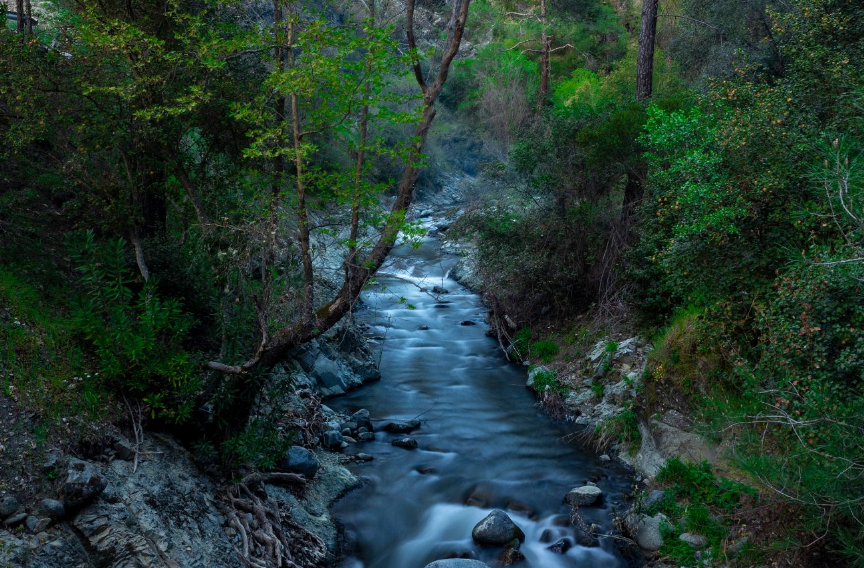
point(346, 431)
point(440, 290)
point(51, 463)
point(407, 443)
point(8, 506)
point(349, 440)
point(605, 458)
point(457, 563)
point(423, 328)
point(510, 556)
point(560, 547)
point(36, 524)
point(496, 529)
point(15, 520)
point(402, 426)
point(738, 546)
point(123, 451)
point(653, 498)
point(362, 420)
point(648, 535)
point(52, 508)
point(363, 457)
point(696, 541)
point(332, 439)
point(350, 426)
point(300, 460)
point(583, 496)
point(366, 436)
point(84, 482)
point(467, 323)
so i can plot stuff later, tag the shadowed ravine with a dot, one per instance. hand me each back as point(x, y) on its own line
point(481, 434)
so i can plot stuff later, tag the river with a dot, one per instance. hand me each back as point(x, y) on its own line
point(482, 436)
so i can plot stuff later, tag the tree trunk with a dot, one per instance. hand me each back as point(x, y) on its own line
point(29, 10)
point(19, 12)
point(545, 47)
point(645, 57)
point(634, 189)
point(279, 104)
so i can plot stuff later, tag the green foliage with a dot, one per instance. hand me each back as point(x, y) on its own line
point(137, 338)
point(697, 483)
point(546, 381)
point(545, 350)
point(260, 445)
point(623, 427)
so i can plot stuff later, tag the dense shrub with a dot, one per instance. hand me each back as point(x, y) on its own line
point(136, 336)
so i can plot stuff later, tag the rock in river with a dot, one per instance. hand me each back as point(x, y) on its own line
point(496, 529)
point(583, 496)
point(300, 460)
point(457, 563)
point(407, 443)
point(402, 426)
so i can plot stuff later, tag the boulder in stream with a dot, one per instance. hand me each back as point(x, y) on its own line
point(407, 443)
point(583, 496)
point(402, 426)
point(496, 529)
point(457, 563)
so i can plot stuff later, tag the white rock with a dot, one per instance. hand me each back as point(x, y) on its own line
point(583, 496)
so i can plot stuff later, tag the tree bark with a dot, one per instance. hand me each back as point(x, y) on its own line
point(545, 47)
point(19, 12)
point(645, 56)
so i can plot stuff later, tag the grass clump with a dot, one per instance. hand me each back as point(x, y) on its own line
point(623, 427)
point(547, 381)
point(544, 350)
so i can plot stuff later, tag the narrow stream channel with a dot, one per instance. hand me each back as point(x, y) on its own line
point(482, 436)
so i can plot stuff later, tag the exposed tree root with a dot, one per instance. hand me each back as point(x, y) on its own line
point(269, 536)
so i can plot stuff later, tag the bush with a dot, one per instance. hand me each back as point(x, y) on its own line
point(544, 350)
point(136, 337)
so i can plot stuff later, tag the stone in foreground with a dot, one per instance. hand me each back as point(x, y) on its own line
point(583, 496)
point(496, 529)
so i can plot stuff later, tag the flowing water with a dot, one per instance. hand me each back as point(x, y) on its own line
point(481, 435)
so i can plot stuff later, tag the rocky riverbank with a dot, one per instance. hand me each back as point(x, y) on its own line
point(118, 502)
